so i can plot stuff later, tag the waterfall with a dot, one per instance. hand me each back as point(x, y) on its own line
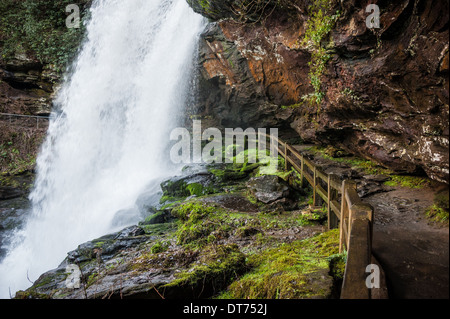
point(109, 131)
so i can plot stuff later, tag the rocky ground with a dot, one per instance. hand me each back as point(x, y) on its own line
point(217, 230)
point(227, 232)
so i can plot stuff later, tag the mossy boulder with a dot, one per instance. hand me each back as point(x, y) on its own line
point(107, 246)
point(160, 217)
point(291, 271)
point(268, 189)
point(216, 267)
point(197, 184)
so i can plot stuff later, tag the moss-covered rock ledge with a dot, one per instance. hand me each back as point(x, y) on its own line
point(210, 242)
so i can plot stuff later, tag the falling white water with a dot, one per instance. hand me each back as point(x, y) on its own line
point(111, 125)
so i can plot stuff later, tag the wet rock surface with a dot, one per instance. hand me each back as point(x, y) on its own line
point(385, 91)
point(146, 261)
point(152, 260)
point(414, 252)
point(13, 214)
point(268, 189)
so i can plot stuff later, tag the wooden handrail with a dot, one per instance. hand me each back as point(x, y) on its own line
point(346, 211)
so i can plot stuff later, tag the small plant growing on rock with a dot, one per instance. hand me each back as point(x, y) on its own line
point(320, 23)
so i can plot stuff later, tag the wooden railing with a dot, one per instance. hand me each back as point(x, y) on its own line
point(347, 212)
point(13, 118)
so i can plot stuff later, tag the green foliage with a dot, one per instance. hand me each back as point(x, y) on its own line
point(292, 106)
point(414, 182)
point(38, 28)
point(320, 23)
point(441, 199)
point(160, 247)
point(350, 94)
point(201, 224)
point(439, 211)
point(13, 161)
point(438, 214)
point(195, 189)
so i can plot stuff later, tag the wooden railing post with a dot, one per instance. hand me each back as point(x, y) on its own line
point(351, 185)
point(344, 213)
point(315, 188)
point(358, 258)
point(302, 171)
point(286, 157)
point(333, 220)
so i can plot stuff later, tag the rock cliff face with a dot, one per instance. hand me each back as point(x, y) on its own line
point(25, 87)
point(36, 47)
point(384, 91)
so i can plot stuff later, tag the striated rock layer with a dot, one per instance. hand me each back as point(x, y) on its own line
point(385, 90)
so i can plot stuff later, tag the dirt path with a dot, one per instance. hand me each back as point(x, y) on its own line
point(413, 253)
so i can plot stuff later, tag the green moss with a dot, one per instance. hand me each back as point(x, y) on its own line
point(217, 266)
point(292, 106)
point(99, 244)
point(228, 174)
point(438, 215)
point(371, 168)
point(18, 154)
point(160, 247)
point(285, 271)
point(92, 279)
point(30, 294)
point(201, 225)
point(414, 182)
point(198, 222)
point(439, 211)
point(159, 217)
point(174, 190)
point(441, 199)
point(160, 229)
point(195, 189)
point(166, 198)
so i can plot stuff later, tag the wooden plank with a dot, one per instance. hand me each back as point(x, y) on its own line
point(322, 193)
point(336, 184)
point(294, 152)
point(280, 151)
point(351, 195)
point(295, 165)
point(335, 207)
point(309, 178)
point(309, 163)
point(322, 175)
point(286, 156)
point(358, 258)
point(302, 163)
point(344, 232)
point(329, 212)
point(344, 209)
point(314, 187)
